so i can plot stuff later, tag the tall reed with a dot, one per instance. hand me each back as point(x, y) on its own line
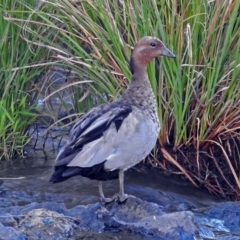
point(19, 67)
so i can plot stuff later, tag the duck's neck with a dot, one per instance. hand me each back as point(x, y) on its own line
point(138, 67)
point(140, 78)
point(139, 91)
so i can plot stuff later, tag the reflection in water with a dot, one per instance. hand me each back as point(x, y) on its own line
point(149, 185)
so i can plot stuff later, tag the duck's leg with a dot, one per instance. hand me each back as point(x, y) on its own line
point(122, 197)
point(103, 199)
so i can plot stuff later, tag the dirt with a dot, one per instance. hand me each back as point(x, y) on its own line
point(209, 168)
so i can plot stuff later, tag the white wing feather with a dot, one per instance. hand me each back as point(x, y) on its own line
point(104, 148)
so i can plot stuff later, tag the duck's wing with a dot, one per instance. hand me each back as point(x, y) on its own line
point(93, 138)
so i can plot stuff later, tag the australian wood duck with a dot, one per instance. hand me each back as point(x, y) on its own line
point(111, 138)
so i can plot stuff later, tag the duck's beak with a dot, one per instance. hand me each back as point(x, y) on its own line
point(167, 53)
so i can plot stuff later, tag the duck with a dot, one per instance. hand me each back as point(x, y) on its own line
point(113, 137)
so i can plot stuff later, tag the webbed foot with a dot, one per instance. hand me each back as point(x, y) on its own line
point(109, 200)
point(123, 197)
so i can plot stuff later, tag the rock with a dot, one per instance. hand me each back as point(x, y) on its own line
point(179, 206)
point(7, 220)
point(44, 224)
point(9, 233)
point(135, 217)
point(229, 213)
point(148, 219)
point(134, 209)
point(95, 236)
point(22, 210)
point(90, 215)
point(227, 238)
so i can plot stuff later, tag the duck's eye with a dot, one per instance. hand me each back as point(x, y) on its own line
point(153, 44)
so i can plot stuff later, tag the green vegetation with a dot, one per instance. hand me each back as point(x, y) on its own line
point(17, 80)
point(198, 94)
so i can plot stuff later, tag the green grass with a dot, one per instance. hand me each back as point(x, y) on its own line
point(17, 76)
point(197, 94)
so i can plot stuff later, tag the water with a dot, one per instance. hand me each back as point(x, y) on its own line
point(27, 180)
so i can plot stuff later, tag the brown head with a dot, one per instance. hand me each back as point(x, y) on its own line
point(145, 50)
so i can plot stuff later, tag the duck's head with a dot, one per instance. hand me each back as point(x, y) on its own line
point(146, 49)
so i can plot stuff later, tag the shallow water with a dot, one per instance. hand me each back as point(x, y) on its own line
point(27, 180)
